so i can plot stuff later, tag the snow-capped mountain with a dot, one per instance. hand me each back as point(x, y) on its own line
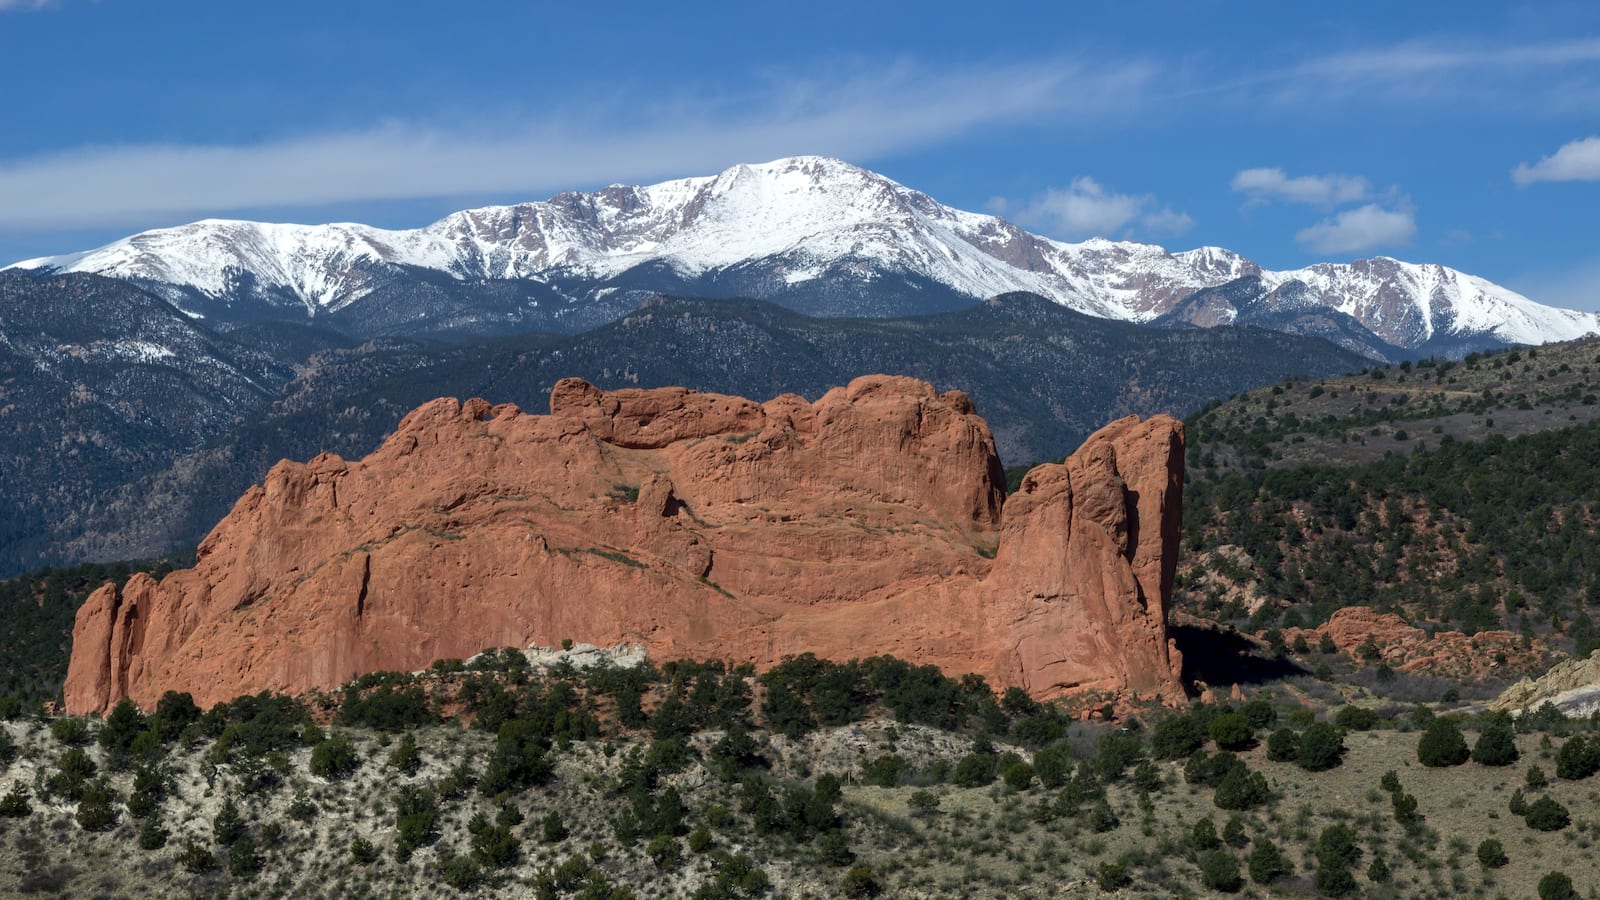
point(816, 234)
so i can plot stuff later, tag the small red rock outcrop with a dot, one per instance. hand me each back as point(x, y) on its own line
point(1450, 654)
point(696, 524)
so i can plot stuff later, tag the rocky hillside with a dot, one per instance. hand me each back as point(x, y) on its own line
point(1458, 495)
point(100, 383)
point(1572, 686)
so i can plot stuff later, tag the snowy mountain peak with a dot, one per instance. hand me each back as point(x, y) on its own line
point(779, 229)
point(1217, 262)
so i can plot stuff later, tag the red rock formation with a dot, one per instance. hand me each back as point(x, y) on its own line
point(696, 524)
point(1408, 648)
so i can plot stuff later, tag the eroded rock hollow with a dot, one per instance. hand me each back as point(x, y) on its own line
point(699, 525)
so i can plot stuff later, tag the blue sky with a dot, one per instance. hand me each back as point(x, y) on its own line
point(1467, 134)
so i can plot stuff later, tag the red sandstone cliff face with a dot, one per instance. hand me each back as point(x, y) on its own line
point(696, 524)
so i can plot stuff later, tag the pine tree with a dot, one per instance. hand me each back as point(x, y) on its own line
point(94, 810)
point(1266, 862)
point(1321, 748)
point(1556, 886)
point(1496, 744)
point(1405, 808)
point(1492, 854)
point(1442, 744)
point(1233, 833)
point(1241, 789)
point(15, 805)
point(1578, 758)
point(552, 828)
point(495, 847)
point(152, 836)
point(1283, 745)
point(243, 858)
point(406, 758)
point(227, 827)
point(123, 725)
point(1220, 872)
point(334, 758)
point(1545, 814)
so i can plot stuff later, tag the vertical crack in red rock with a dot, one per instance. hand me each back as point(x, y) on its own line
point(366, 579)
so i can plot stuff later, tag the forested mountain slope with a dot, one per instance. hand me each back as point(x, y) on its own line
point(1400, 489)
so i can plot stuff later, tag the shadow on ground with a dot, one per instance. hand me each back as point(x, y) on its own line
point(1222, 658)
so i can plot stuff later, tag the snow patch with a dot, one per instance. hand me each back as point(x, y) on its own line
point(142, 351)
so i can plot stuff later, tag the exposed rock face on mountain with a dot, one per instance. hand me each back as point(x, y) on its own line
point(1572, 686)
point(1290, 307)
point(871, 521)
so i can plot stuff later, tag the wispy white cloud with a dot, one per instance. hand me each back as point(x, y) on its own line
point(1267, 185)
point(869, 115)
point(1576, 161)
point(1548, 76)
point(1363, 228)
point(1429, 57)
point(1086, 209)
point(24, 5)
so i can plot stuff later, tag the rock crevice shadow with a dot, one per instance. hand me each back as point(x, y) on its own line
point(1218, 658)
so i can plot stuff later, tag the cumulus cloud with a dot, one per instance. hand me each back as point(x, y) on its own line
point(1267, 185)
point(1167, 221)
point(859, 116)
point(1361, 229)
point(1086, 209)
point(1576, 161)
point(1355, 230)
